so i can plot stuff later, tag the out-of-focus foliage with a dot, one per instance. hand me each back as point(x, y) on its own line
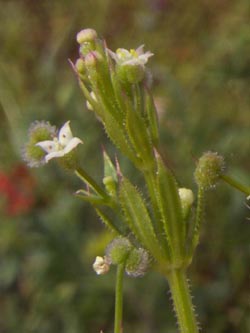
point(48, 238)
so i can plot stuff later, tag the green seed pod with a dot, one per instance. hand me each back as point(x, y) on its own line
point(209, 169)
point(130, 73)
point(69, 161)
point(33, 155)
point(137, 262)
point(118, 250)
point(135, 73)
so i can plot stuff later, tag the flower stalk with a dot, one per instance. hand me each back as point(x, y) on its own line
point(119, 298)
point(236, 184)
point(87, 179)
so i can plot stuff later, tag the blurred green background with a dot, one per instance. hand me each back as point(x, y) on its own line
point(49, 238)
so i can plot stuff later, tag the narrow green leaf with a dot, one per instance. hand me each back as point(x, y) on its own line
point(109, 168)
point(138, 135)
point(110, 224)
point(118, 92)
point(94, 102)
point(117, 135)
point(171, 210)
point(89, 181)
point(152, 118)
point(138, 218)
point(91, 198)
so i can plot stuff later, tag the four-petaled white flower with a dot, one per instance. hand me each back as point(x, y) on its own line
point(101, 265)
point(61, 145)
point(132, 57)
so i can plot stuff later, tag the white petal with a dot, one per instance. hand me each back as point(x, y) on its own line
point(148, 54)
point(113, 55)
point(123, 53)
point(71, 145)
point(139, 49)
point(48, 145)
point(54, 154)
point(143, 58)
point(133, 62)
point(65, 134)
point(101, 266)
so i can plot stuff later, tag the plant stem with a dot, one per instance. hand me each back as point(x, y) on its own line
point(82, 174)
point(182, 301)
point(159, 230)
point(240, 187)
point(195, 232)
point(119, 298)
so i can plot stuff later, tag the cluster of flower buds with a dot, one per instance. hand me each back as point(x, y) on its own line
point(130, 64)
point(115, 87)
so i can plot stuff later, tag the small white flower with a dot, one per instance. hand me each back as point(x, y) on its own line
point(132, 57)
point(101, 265)
point(61, 145)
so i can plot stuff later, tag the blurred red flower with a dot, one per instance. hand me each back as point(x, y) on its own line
point(17, 188)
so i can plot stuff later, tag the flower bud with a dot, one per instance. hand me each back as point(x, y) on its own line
point(187, 199)
point(80, 66)
point(118, 250)
point(101, 265)
point(85, 48)
point(137, 262)
point(92, 58)
point(86, 35)
point(110, 175)
point(209, 169)
point(110, 185)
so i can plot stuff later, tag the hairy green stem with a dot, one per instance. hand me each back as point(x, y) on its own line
point(151, 186)
point(82, 174)
point(195, 232)
point(234, 183)
point(119, 298)
point(182, 301)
